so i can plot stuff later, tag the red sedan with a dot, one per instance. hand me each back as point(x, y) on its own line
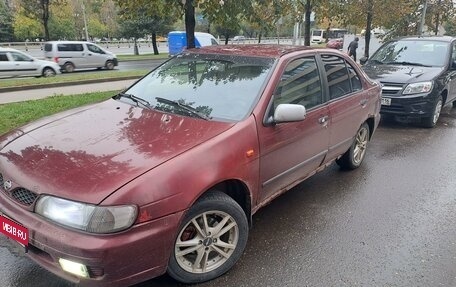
point(335, 44)
point(166, 176)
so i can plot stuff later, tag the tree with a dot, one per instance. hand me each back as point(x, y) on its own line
point(25, 27)
point(147, 18)
point(61, 23)
point(39, 10)
point(6, 22)
point(368, 13)
point(266, 15)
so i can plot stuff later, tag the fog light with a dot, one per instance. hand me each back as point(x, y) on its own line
point(74, 268)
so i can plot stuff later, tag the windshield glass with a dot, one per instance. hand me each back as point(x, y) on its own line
point(421, 52)
point(222, 87)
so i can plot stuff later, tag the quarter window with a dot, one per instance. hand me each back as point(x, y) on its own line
point(300, 84)
point(3, 57)
point(354, 78)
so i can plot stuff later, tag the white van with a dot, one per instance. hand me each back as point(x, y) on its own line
point(71, 55)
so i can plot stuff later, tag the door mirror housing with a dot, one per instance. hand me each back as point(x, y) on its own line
point(289, 113)
point(363, 60)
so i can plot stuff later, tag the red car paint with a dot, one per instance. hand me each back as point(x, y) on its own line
point(115, 153)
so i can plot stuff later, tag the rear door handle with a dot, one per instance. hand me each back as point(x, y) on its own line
point(363, 103)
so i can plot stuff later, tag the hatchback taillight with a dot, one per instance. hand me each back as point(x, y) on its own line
point(56, 59)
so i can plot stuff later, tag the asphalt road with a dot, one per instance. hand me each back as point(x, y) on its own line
point(389, 223)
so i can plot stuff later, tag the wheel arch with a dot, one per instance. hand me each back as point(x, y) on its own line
point(371, 123)
point(444, 95)
point(238, 191)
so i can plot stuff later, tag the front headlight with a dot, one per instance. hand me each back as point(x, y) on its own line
point(418, 88)
point(87, 217)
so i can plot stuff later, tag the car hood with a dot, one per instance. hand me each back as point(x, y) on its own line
point(401, 73)
point(87, 153)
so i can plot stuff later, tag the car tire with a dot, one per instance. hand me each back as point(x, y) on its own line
point(355, 155)
point(68, 67)
point(109, 65)
point(48, 72)
point(454, 104)
point(213, 249)
point(431, 121)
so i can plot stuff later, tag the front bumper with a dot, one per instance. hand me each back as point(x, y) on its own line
point(119, 259)
point(420, 105)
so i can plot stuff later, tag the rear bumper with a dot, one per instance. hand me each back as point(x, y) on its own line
point(120, 259)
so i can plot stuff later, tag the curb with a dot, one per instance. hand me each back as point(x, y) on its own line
point(74, 83)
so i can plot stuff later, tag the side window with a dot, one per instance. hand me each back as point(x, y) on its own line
point(300, 84)
point(354, 78)
point(20, 57)
point(338, 77)
point(3, 57)
point(95, 49)
point(70, 47)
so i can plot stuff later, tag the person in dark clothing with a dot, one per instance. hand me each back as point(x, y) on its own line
point(352, 48)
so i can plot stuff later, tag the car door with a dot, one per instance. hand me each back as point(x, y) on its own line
point(96, 56)
point(347, 100)
point(452, 74)
point(24, 65)
point(7, 67)
point(292, 151)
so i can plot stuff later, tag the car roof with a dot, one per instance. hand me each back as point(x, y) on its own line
point(428, 38)
point(5, 49)
point(255, 50)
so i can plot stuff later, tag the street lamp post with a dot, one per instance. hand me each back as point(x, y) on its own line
point(85, 21)
point(423, 17)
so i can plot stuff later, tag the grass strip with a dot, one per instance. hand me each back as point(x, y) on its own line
point(17, 114)
point(22, 82)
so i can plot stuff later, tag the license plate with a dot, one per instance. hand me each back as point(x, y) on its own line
point(386, 101)
point(14, 230)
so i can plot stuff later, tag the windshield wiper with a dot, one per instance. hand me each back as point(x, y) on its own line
point(408, 64)
point(374, 61)
point(184, 107)
point(137, 100)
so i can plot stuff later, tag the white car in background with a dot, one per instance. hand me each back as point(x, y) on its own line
point(14, 63)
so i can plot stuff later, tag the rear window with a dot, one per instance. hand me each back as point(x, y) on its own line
point(48, 47)
point(70, 48)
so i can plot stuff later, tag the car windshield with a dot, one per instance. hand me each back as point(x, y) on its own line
point(413, 52)
point(223, 87)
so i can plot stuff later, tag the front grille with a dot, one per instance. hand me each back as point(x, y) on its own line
point(24, 196)
point(391, 88)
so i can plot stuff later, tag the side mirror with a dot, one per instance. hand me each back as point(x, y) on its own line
point(289, 113)
point(453, 65)
point(363, 60)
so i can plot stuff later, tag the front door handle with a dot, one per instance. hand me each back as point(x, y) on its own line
point(323, 120)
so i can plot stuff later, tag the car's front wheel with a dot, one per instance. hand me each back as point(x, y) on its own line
point(354, 156)
point(210, 240)
point(431, 121)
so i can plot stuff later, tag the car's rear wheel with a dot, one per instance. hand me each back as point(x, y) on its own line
point(68, 67)
point(48, 72)
point(431, 121)
point(109, 65)
point(355, 155)
point(210, 240)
